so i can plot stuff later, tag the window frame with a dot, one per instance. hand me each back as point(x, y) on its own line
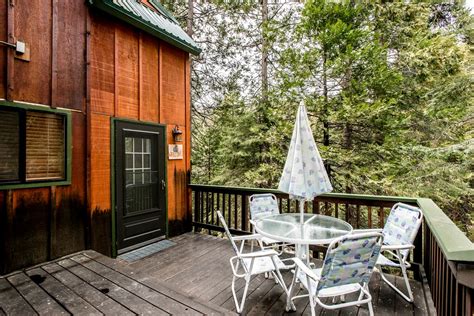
point(22, 183)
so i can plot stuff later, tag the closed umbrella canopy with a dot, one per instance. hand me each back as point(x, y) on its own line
point(304, 176)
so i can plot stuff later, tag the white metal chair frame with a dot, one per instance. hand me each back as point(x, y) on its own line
point(398, 252)
point(310, 278)
point(246, 265)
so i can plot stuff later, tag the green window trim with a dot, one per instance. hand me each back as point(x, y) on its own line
point(68, 119)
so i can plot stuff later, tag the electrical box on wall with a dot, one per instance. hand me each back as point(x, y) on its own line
point(22, 51)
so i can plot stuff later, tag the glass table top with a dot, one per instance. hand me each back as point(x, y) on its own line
point(315, 229)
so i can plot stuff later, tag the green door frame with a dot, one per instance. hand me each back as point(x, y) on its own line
point(113, 203)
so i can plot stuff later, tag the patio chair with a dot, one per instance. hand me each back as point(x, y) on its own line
point(347, 268)
point(247, 265)
point(399, 232)
point(262, 205)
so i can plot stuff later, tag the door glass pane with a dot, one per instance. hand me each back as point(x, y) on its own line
point(141, 190)
point(146, 161)
point(128, 144)
point(137, 145)
point(138, 160)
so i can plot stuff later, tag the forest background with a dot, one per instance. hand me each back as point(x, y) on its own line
point(388, 86)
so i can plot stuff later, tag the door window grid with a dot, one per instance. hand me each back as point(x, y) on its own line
point(138, 160)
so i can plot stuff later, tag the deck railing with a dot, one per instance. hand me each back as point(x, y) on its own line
point(443, 256)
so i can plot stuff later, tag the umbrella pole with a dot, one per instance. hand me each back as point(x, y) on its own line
point(302, 212)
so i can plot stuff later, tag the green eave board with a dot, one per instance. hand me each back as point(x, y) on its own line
point(156, 23)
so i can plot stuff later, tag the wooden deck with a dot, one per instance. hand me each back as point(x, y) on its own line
point(192, 277)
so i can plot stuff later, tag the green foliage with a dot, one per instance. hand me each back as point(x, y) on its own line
point(388, 87)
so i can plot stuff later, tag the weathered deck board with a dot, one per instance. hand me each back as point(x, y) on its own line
point(153, 297)
point(95, 297)
point(115, 292)
point(211, 263)
point(191, 278)
point(12, 302)
point(72, 302)
point(41, 302)
point(153, 283)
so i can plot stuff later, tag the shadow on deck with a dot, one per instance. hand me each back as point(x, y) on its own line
point(191, 277)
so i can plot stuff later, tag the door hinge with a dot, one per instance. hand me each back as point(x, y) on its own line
point(163, 184)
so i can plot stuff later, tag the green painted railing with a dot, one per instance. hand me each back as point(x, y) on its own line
point(443, 256)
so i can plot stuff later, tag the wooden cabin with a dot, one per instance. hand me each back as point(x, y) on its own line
point(95, 127)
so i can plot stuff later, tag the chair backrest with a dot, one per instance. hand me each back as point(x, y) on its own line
point(263, 205)
point(350, 259)
point(402, 226)
point(227, 232)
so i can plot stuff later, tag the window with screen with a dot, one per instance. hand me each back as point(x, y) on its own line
point(32, 146)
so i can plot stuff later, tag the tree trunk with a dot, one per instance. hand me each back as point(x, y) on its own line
point(326, 101)
point(190, 19)
point(264, 53)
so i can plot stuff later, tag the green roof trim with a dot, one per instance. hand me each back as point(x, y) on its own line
point(160, 23)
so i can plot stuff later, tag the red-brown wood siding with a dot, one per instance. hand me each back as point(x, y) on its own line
point(32, 79)
point(69, 55)
point(147, 81)
point(43, 223)
point(3, 50)
point(131, 75)
point(149, 76)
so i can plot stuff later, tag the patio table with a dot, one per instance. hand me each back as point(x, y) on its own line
point(314, 230)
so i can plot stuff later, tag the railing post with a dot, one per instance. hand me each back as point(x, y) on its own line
point(197, 210)
point(418, 253)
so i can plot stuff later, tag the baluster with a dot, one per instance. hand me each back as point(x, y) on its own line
point(229, 209)
point(358, 216)
point(336, 211)
point(381, 217)
point(369, 216)
point(197, 203)
point(223, 205)
point(347, 213)
point(236, 222)
point(212, 208)
point(244, 213)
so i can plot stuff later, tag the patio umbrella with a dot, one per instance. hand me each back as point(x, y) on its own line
point(304, 176)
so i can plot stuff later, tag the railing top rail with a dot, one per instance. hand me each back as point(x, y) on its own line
point(452, 241)
point(349, 196)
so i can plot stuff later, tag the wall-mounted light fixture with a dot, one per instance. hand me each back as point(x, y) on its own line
point(177, 134)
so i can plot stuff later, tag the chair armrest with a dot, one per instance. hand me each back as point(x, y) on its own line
point(397, 247)
point(257, 254)
point(371, 230)
point(247, 237)
point(303, 267)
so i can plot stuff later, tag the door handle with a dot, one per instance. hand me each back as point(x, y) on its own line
point(163, 184)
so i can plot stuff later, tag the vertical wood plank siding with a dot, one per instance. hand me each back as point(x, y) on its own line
point(99, 67)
